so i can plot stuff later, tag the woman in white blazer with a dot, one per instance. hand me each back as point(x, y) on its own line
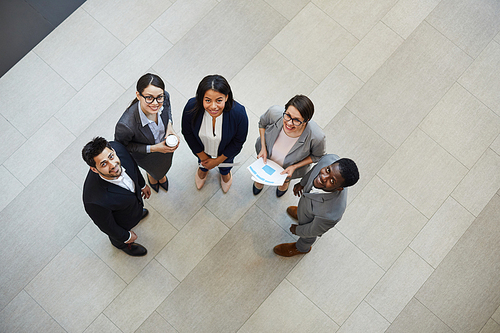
point(290, 138)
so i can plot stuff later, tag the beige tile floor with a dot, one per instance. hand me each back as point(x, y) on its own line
point(409, 89)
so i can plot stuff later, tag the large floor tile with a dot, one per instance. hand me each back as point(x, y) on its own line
point(372, 51)
point(330, 96)
point(153, 233)
point(155, 324)
point(288, 310)
point(401, 93)
point(495, 146)
point(71, 49)
point(10, 139)
point(23, 314)
point(288, 8)
point(223, 48)
point(333, 267)
point(491, 327)
point(102, 324)
point(496, 315)
point(141, 297)
point(482, 78)
point(364, 320)
point(406, 15)
point(480, 184)
point(283, 78)
point(470, 24)
point(70, 161)
point(397, 287)
point(126, 19)
point(192, 243)
point(89, 103)
point(39, 151)
point(357, 16)
point(134, 61)
point(312, 31)
point(462, 125)
point(416, 318)
point(30, 83)
point(423, 172)
point(348, 136)
point(460, 296)
point(183, 15)
point(36, 225)
point(75, 287)
point(11, 187)
point(442, 232)
point(230, 207)
point(231, 282)
point(381, 232)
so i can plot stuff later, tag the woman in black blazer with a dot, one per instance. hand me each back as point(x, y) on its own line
point(145, 125)
point(215, 127)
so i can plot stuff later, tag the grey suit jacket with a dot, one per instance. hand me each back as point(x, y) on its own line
point(317, 213)
point(312, 141)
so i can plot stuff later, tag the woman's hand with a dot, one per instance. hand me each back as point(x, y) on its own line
point(263, 154)
point(161, 147)
point(289, 171)
point(210, 163)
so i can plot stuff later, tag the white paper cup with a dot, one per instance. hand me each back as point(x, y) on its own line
point(171, 141)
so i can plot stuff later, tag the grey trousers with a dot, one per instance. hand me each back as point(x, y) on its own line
point(305, 243)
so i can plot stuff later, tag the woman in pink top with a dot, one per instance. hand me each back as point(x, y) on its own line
point(290, 138)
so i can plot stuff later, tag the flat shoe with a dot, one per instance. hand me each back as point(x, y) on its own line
point(145, 213)
point(256, 190)
point(226, 186)
point(199, 182)
point(288, 250)
point(164, 185)
point(155, 187)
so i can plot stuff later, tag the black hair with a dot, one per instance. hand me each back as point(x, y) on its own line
point(93, 149)
point(349, 171)
point(212, 82)
point(144, 81)
point(303, 104)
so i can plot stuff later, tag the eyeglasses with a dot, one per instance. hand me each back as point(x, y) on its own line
point(150, 99)
point(295, 121)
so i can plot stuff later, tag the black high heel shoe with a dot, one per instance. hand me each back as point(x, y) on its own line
point(155, 187)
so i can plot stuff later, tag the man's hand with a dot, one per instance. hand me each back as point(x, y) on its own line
point(293, 228)
point(133, 237)
point(298, 189)
point(146, 192)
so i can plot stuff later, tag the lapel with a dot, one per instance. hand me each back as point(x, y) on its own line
point(143, 129)
point(299, 143)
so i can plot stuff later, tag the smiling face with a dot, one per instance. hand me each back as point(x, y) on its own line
point(329, 179)
point(290, 129)
point(153, 107)
point(214, 102)
point(107, 164)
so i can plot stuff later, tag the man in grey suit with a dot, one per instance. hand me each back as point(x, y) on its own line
point(323, 199)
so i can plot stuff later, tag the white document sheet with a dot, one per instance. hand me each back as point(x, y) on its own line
point(267, 174)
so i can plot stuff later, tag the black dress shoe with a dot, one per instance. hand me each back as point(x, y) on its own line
point(256, 190)
point(145, 213)
point(155, 187)
point(135, 250)
point(280, 193)
point(164, 185)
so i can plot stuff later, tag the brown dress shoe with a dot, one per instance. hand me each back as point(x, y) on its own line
point(288, 250)
point(292, 211)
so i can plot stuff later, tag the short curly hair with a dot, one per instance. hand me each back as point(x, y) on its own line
point(349, 171)
point(93, 149)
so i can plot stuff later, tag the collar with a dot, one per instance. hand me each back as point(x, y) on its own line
point(145, 120)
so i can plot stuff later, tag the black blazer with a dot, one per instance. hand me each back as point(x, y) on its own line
point(114, 209)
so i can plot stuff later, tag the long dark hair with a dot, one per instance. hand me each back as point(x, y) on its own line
point(144, 81)
point(212, 82)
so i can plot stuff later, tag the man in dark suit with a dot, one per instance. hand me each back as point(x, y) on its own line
point(323, 200)
point(113, 192)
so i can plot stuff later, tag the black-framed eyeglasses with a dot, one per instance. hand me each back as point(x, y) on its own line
point(150, 99)
point(295, 121)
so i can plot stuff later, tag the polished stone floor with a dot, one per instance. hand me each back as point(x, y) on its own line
point(408, 89)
